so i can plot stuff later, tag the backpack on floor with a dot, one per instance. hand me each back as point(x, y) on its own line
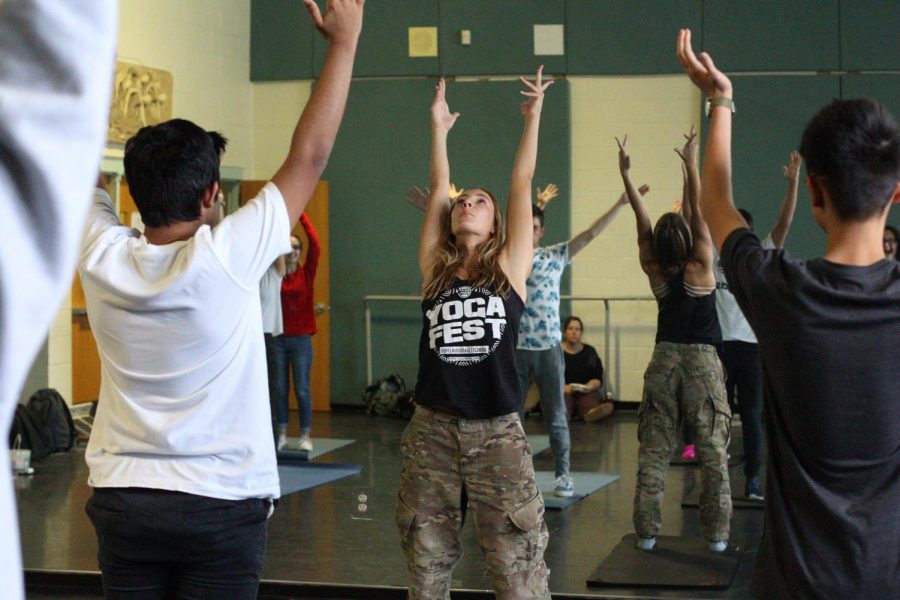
point(48, 406)
point(383, 398)
point(31, 433)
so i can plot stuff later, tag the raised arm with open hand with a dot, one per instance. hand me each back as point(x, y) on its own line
point(702, 244)
point(716, 200)
point(442, 121)
point(791, 171)
point(518, 252)
point(546, 195)
point(578, 243)
point(644, 228)
point(317, 128)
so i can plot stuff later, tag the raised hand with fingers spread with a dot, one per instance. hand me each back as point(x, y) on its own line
point(546, 195)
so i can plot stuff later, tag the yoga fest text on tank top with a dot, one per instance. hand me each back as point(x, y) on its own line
point(467, 352)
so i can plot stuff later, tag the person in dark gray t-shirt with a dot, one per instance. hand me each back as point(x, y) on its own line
point(828, 331)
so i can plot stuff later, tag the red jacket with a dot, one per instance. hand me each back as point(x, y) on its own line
point(297, 288)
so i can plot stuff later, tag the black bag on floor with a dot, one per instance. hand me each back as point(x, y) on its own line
point(48, 406)
point(388, 397)
point(32, 433)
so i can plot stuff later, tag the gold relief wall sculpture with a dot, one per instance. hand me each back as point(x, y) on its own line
point(141, 96)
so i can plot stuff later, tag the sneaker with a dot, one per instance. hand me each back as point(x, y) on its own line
point(645, 543)
point(306, 443)
point(564, 487)
point(754, 489)
point(282, 441)
point(719, 546)
point(689, 452)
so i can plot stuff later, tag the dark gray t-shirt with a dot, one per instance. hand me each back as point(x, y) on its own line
point(829, 337)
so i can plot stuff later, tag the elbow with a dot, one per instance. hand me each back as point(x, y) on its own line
point(314, 158)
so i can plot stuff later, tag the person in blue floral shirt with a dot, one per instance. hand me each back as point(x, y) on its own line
point(539, 354)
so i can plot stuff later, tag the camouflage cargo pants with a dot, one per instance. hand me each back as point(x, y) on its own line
point(684, 381)
point(451, 464)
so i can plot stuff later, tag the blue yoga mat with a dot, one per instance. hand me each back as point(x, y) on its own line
point(320, 446)
point(303, 476)
point(585, 484)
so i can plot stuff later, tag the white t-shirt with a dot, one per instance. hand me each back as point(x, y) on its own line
point(732, 321)
point(184, 403)
point(270, 299)
point(539, 328)
point(56, 67)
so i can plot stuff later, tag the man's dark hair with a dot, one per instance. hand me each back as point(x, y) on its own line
point(747, 217)
point(537, 211)
point(219, 142)
point(852, 147)
point(168, 167)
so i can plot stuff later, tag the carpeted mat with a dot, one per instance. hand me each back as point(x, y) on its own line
point(292, 452)
point(538, 443)
point(585, 485)
point(303, 476)
point(675, 562)
point(692, 500)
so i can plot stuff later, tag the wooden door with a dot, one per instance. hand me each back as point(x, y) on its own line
point(85, 358)
point(317, 210)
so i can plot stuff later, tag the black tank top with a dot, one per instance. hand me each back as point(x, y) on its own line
point(467, 352)
point(684, 319)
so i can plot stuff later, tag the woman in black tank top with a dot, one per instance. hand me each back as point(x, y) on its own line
point(684, 380)
point(465, 448)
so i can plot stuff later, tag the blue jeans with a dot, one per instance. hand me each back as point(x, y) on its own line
point(157, 544)
point(293, 352)
point(548, 369)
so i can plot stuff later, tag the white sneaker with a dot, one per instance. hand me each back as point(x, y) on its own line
point(564, 487)
point(645, 543)
point(306, 444)
point(282, 441)
point(719, 546)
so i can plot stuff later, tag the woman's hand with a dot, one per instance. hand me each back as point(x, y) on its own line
point(624, 159)
point(441, 117)
point(535, 93)
point(690, 152)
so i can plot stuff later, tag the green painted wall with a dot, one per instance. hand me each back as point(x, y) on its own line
point(601, 36)
point(618, 37)
point(382, 150)
point(759, 151)
point(773, 47)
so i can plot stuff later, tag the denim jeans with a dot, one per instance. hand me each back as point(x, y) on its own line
point(158, 544)
point(548, 369)
point(293, 352)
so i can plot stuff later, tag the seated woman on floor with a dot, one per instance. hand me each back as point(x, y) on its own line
point(584, 376)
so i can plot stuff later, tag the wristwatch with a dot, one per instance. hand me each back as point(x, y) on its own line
point(711, 103)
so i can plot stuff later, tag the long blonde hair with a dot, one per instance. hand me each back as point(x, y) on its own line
point(451, 257)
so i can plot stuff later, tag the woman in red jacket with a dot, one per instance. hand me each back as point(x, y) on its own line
point(293, 349)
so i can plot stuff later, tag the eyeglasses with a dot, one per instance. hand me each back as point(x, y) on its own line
point(889, 242)
point(295, 247)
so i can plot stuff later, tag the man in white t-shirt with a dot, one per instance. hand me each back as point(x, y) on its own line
point(181, 455)
point(740, 351)
point(56, 64)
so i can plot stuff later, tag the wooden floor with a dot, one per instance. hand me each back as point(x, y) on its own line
point(317, 548)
